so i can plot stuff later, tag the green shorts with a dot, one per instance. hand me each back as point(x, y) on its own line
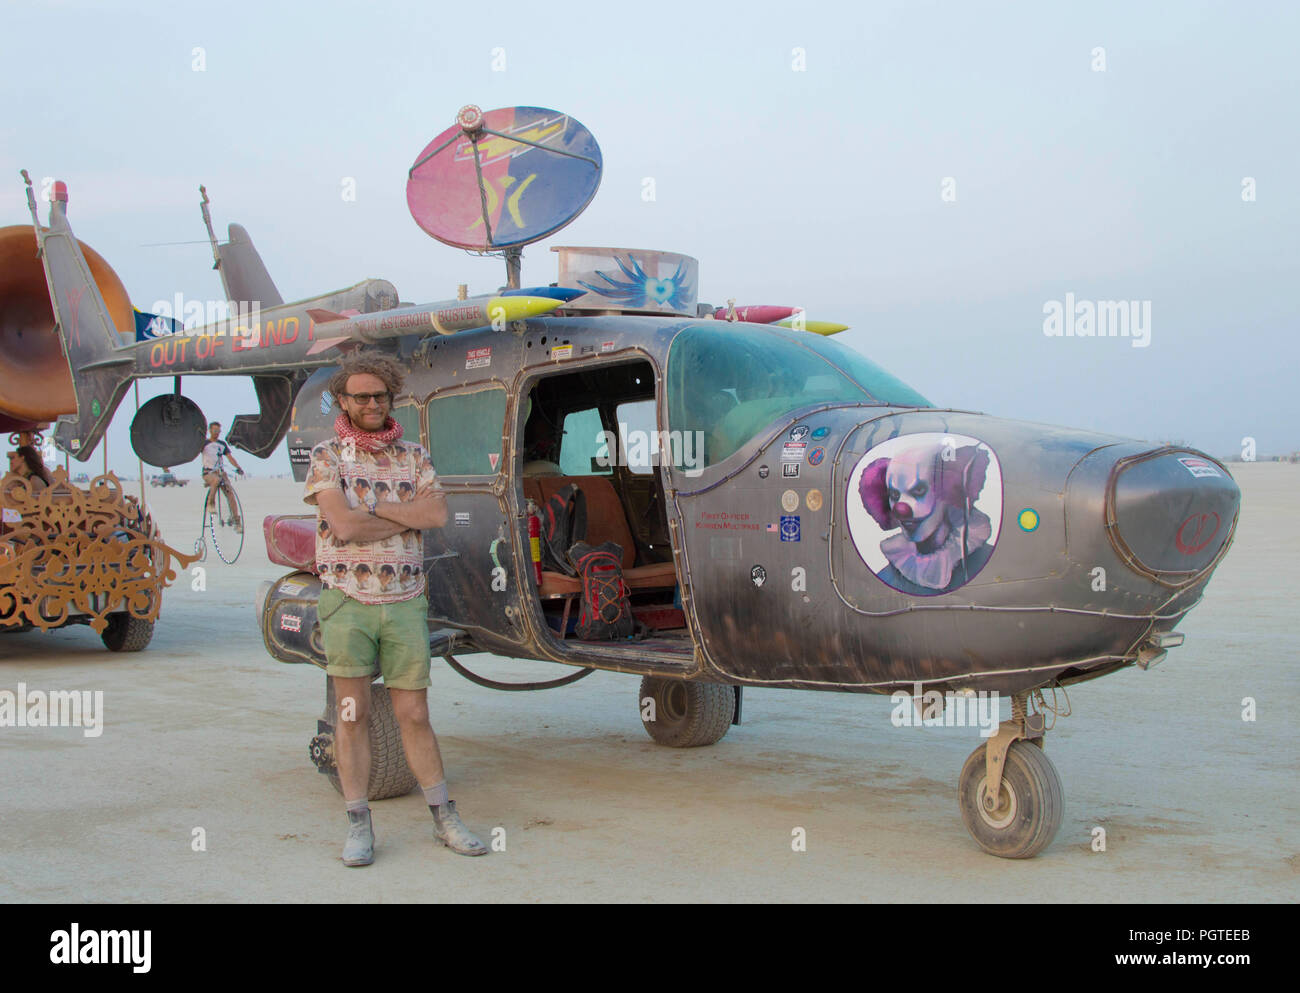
point(365, 639)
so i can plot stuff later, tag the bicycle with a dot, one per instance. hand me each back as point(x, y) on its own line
point(223, 524)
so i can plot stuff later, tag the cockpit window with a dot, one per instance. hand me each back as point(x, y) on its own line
point(884, 387)
point(730, 384)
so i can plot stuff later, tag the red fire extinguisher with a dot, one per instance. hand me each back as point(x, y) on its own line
point(535, 539)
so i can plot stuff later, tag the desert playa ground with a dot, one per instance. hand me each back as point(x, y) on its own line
point(204, 730)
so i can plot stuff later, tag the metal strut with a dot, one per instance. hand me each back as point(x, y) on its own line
point(1022, 725)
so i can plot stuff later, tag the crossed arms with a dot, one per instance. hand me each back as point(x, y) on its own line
point(427, 510)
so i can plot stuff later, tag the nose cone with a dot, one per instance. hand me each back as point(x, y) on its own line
point(1170, 513)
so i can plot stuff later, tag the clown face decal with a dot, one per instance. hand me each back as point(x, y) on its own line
point(924, 511)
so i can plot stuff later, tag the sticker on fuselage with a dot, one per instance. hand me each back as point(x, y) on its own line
point(790, 470)
point(814, 499)
point(478, 358)
point(758, 575)
point(790, 528)
point(763, 471)
point(799, 433)
point(290, 622)
point(1199, 467)
point(789, 501)
point(793, 451)
point(462, 518)
point(562, 352)
point(923, 511)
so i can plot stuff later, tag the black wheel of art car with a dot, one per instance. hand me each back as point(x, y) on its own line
point(125, 633)
point(684, 714)
point(390, 776)
point(1029, 807)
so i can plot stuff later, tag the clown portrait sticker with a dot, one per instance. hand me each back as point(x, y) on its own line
point(924, 511)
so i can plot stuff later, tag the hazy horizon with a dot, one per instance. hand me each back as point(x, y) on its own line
point(936, 176)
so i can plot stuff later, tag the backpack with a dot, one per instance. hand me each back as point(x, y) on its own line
point(564, 521)
point(606, 612)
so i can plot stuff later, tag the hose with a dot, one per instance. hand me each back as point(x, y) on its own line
point(492, 684)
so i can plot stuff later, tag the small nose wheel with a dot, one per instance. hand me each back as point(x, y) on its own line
point(1024, 816)
point(322, 752)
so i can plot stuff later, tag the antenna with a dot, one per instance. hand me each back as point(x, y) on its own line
point(498, 180)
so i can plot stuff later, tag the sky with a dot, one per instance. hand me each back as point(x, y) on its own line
point(939, 176)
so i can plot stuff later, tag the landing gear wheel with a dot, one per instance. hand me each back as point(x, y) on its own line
point(1029, 806)
point(686, 715)
point(389, 774)
point(126, 633)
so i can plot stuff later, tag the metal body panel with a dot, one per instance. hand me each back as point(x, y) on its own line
point(820, 618)
point(848, 546)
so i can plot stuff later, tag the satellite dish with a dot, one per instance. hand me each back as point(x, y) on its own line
point(503, 179)
point(168, 430)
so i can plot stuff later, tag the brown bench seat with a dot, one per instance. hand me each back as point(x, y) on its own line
point(605, 522)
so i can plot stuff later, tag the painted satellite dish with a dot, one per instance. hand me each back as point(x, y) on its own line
point(503, 178)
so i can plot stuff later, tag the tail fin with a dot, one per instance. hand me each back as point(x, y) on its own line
point(90, 335)
point(243, 273)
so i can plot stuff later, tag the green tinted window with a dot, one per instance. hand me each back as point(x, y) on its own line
point(584, 439)
point(465, 432)
point(729, 385)
point(880, 384)
point(638, 437)
point(407, 414)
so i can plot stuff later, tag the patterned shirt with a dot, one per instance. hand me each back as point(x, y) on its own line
point(384, 571)
point(213, 453)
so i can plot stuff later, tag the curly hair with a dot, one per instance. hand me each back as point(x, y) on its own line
point(364, 363)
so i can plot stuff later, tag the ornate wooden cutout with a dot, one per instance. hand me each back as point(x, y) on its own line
point(92, 550)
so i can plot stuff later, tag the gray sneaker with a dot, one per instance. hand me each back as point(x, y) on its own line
point(359, 849)
point(449, 829)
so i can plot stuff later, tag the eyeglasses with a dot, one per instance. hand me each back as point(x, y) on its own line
point(364, 399)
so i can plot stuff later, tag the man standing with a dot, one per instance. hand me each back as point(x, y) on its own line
point(367, 627)
point(214, 451)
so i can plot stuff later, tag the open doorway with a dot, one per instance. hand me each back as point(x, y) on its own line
point(596, 426)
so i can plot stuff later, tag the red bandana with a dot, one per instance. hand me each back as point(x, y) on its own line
point(371, 441)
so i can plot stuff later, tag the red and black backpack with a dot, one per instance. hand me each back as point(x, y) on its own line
point(606, 611)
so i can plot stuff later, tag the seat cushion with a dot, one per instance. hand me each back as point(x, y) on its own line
point(291, 540)
point(658, 576)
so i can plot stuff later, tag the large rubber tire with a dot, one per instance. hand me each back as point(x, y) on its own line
point(390, 776)
point(126, 633)
point(1031, 802)
point(686, 714)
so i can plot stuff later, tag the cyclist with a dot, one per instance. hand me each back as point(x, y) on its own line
point(214, 474)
